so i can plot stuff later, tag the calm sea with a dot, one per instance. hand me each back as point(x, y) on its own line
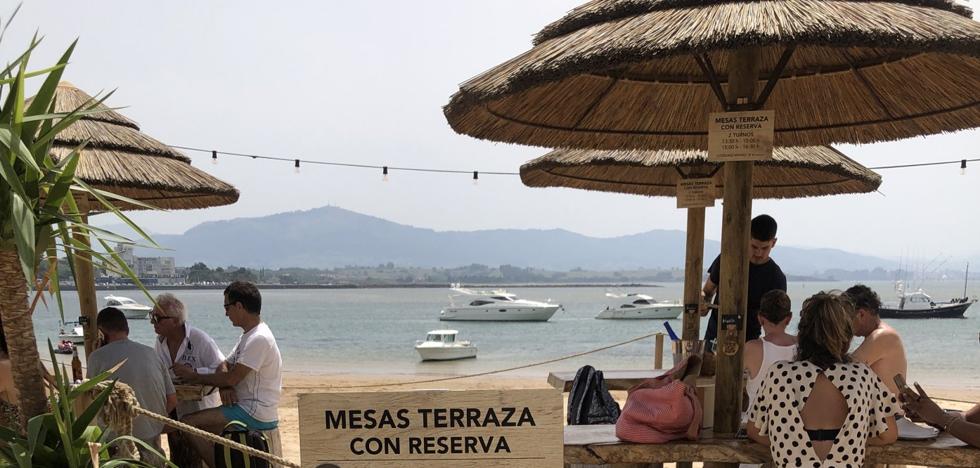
point(373, 331)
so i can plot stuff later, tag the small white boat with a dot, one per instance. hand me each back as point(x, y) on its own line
point(130, 308)
point(641, 306)
point(73, 332)
point(495, 305)
point(441, 345)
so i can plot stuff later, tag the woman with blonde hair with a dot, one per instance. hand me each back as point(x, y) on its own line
point(822, 409)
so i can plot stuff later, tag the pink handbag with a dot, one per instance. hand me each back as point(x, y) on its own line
point(664, 408)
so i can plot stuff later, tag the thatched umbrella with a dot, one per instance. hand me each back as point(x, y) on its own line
point(794, 172)
point(645, 74)
point(119, 158)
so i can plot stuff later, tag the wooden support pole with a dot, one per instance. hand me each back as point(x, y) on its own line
point(693, 264)
point(85, 282)
point(733, 287)
point(658, 351)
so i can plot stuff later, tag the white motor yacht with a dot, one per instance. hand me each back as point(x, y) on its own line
point(641, 306)
point(130, 308)
point(496, 305)
point(72, 331)
point(441, 345)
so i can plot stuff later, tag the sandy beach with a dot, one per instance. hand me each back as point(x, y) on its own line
point(298, 383)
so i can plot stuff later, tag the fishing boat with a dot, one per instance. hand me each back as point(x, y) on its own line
point(918, 304)
point(441, 345)
point(495, 305)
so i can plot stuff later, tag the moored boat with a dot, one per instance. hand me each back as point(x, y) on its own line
point(72, 332)
point(495, 305)
point(441, 345)
point(918, 305)
point(130, 308)
point(640, 306)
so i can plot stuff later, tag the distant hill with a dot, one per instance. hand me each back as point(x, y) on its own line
point(330, 237)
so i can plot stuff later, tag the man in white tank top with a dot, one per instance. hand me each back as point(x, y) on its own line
point(775, 344)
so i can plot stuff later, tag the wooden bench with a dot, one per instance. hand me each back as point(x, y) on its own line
point(597, 445)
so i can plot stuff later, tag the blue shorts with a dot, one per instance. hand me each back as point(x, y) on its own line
point(237, 413)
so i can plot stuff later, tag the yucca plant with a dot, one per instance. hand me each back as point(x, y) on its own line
point(38, 212)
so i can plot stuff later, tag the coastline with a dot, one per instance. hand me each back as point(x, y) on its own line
point(176, 287)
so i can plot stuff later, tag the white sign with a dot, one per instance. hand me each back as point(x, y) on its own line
point(696, 193)
point(432, 428)
point(740, 136)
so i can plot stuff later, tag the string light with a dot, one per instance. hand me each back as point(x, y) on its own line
point(476, 174)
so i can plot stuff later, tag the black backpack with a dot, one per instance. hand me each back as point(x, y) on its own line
point(589, 401)
point(227, 457)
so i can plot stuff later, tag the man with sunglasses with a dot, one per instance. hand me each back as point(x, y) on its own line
point(254, 370)
point(179, 343)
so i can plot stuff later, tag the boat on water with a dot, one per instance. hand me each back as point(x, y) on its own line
point(495, 305)
point(71, 332)
point(918, 305)
point(640, 306)
point(65, 347)
point(441, 345)
point(130, 308)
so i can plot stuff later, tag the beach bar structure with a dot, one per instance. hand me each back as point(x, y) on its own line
point(791, 173)
point(646, 74)
point(120, 159)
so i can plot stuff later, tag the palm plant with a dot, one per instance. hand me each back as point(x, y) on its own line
point(38, 212)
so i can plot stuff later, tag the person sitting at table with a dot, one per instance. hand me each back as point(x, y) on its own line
point(822, 409)
point(882, 348)
point(775, 345)
point(963, 426)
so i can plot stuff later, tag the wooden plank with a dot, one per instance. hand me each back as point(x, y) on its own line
point(591, 444)
point(733, 287)
point(616, 379)
point(693, 273)
point(658, 351)
point(434, 428)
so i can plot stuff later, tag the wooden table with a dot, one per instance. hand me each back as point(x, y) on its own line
point(616, 379)
point(598, 444)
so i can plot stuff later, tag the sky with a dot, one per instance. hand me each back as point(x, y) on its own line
point(365, 82)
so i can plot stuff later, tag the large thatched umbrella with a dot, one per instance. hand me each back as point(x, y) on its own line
point(794, 172)
point(119, 158)
point(621, 74)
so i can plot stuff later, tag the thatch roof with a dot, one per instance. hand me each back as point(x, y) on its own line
point(794, 172)
point(617, 74)
point(119, 158)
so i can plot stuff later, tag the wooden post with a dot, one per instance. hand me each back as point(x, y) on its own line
point(658, 351)
point(693, 265)
point(733, 287)
point(85, 282)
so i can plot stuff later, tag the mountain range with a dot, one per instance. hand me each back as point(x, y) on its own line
point(330, 237)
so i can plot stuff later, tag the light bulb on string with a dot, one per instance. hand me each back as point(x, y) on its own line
point(476, 177)
point(296, 166)
point(214, 157)
point(384, 172)
point(962, 167)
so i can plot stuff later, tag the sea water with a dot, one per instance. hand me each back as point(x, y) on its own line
point(373, 331)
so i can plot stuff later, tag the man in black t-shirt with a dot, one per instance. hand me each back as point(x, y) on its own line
point(764, 276)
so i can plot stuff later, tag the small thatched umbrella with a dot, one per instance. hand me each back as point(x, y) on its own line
point(645, 74)
point(795, 172)
point(120, 159)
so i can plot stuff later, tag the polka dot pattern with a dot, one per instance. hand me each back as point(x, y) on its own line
point(784, 391)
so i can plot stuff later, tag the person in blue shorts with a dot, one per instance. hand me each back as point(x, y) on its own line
point(254, 372)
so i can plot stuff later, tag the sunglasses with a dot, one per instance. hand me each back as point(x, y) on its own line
point(155, 319)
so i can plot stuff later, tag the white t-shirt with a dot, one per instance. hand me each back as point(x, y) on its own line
point(258, 393)
point(200, 352)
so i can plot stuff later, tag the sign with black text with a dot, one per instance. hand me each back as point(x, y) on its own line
point(696, 193)
point(740, 136)
point(432, 428)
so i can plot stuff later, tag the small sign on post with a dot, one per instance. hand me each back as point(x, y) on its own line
point(696, 193)
point(740, 136)
point(432, 428)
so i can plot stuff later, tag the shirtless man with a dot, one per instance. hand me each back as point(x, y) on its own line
point(882, 348)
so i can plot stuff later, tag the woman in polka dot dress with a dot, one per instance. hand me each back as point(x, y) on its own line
point(822, 410)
